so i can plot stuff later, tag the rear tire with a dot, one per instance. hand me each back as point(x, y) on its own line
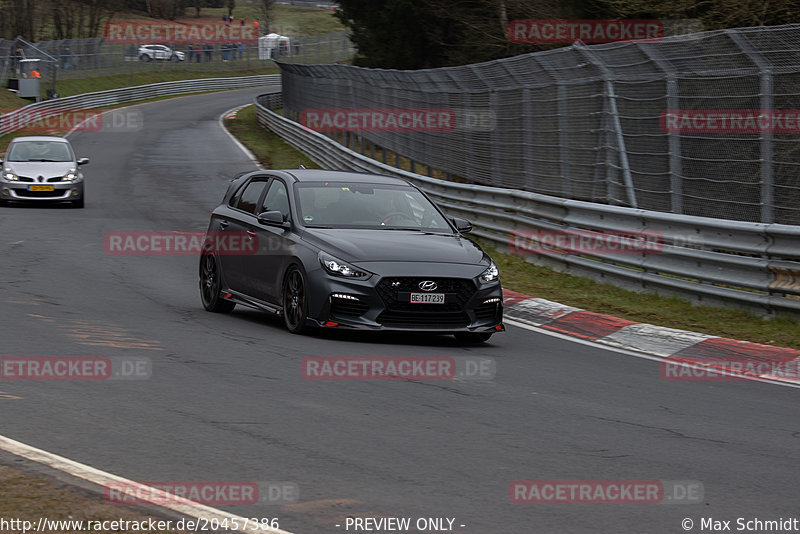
point(295, 301)
point(210, 284)
point(473, 338)
point(145, 57)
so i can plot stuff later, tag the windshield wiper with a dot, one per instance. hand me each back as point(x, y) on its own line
point(401, 228)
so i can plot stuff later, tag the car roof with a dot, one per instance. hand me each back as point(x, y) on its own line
point(40, 138)
point(317, 175)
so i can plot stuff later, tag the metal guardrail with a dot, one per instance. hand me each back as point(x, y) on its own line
point(11, 121)
point(711, 260)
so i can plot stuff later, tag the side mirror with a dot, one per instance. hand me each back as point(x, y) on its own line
point(82, 161)
point(272, 218)
point(462, 225)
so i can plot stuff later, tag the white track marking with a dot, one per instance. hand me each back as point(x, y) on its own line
point(234, 139)
point(157, 496)
point(635, 354)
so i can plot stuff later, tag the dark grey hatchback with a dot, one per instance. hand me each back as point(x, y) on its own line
point(335, 249)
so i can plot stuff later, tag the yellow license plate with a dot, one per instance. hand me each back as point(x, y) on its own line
point(40, 188)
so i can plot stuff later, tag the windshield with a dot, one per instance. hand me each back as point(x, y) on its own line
point(359, 205)
point(40, 151)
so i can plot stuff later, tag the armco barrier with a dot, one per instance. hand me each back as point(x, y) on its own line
point(712, 260)
point(136, 93)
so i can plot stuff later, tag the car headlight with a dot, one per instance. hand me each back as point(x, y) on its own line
point(10, 176)
point(71, 176)
point(336, 267)
point(491, 274)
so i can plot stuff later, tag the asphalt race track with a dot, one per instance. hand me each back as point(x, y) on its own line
point(226, 400)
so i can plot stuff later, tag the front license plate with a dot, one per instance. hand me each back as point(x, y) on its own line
point(427, 298)
point(40, 188)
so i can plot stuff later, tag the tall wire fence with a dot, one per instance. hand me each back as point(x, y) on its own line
point(685, 125)
point(78, 58)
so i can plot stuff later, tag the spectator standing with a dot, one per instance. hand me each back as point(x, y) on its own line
point(66, 58)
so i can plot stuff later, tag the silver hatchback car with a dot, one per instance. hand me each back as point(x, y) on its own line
point(41, 169)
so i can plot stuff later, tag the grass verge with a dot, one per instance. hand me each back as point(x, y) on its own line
point(272, 151)
point(674, 312)
point(26, 497)
point(519, 275)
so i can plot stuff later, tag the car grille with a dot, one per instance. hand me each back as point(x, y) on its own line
point(422, 319)
point(400, 312)
point(25, 179)
point(348, 307)
point(40, 194)
point(488, 311)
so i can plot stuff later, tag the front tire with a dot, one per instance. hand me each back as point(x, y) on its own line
point(295, 301)
point(78, 203)
point(473, 338)
point(210, 284)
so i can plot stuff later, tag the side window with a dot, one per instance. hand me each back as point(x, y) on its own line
point(249, 199)
point(236, 196)
point(277, 199)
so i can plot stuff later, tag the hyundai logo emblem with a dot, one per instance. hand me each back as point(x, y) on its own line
point(428, 285)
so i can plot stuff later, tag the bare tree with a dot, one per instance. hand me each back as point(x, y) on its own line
point(266, 12)
point(71, 19)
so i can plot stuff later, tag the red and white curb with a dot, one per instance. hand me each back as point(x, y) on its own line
point(679, 346)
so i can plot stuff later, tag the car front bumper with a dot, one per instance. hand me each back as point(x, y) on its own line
point(21, 191)
point(383, 303)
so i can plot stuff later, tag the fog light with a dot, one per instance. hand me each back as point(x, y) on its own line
point(74, 192)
